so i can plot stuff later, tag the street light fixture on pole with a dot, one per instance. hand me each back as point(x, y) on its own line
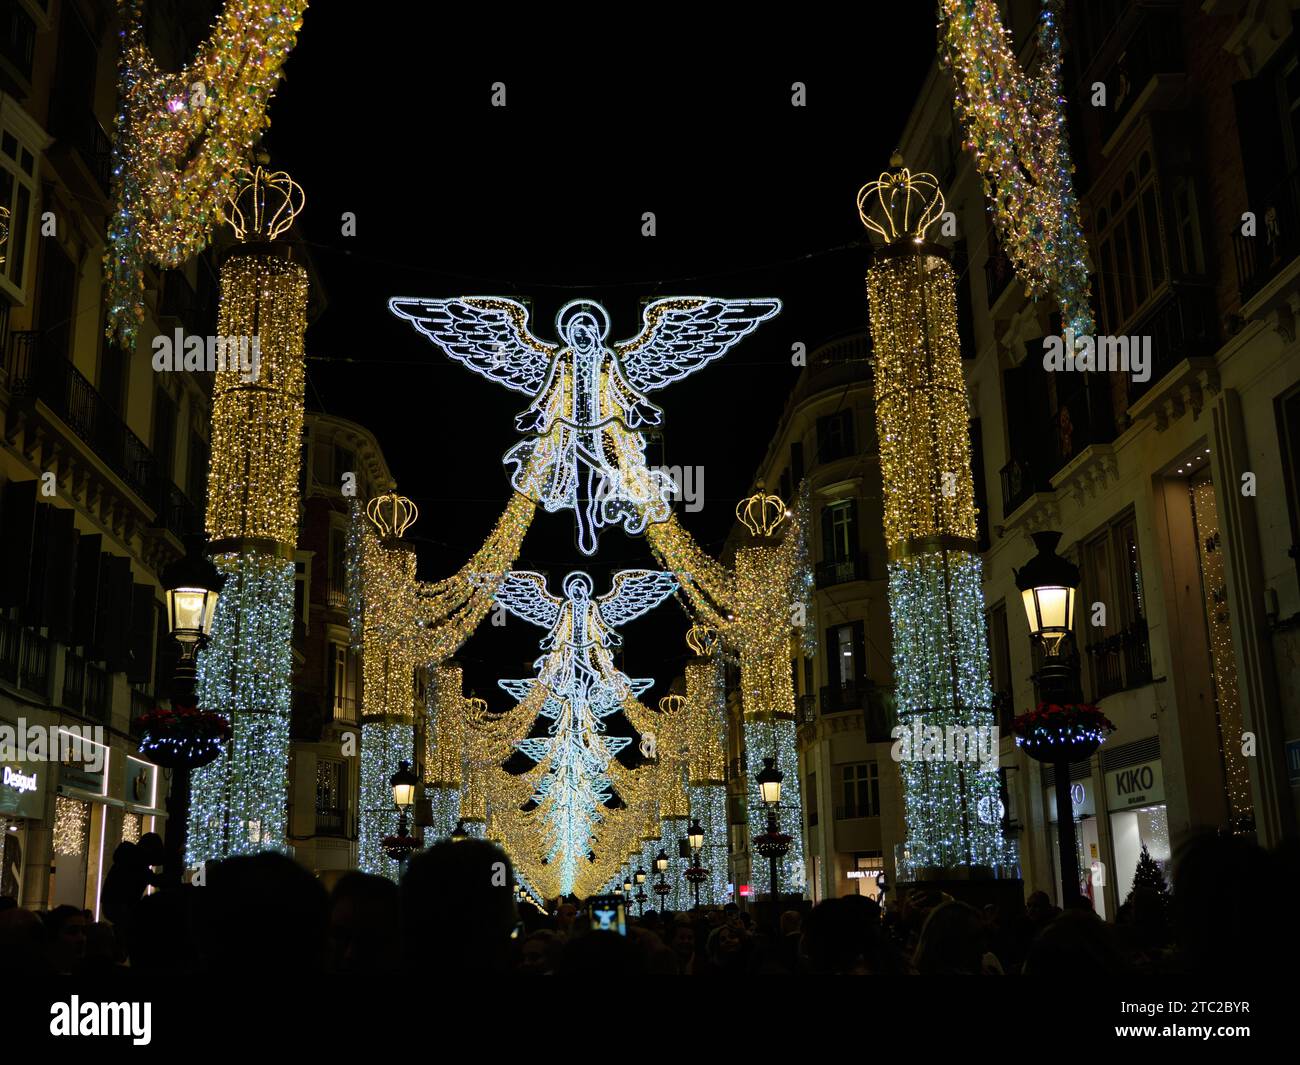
point(191, 586)
point(696, 874)
point(1047, 585)
point(401, 846)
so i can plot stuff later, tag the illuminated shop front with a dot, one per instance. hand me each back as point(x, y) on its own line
point(80, 846)
point(1091, 870)
point(22, 803)
point(1135, 800)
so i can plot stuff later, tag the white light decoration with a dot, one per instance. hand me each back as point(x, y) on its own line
point(767, 738)
point(239, 802)
point(936, 599)
point(585, 450)
point(580, 686)
point(384, 743)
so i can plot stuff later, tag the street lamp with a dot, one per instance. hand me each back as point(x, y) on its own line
point(458, 833)
point(403, 782)
point(640, 877)
point(696, 874)
point(1048, 583)
point(661, 862)
point(769, 782)
point(191, 587)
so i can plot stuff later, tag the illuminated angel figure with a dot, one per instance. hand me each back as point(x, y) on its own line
point(583, 686)
point(586, 451)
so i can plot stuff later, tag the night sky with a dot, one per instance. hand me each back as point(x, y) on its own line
point(687, 115)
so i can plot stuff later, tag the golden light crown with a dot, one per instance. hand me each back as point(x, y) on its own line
point(701, 639)
point(905, 204)
point(392, 514)
point(761, 514)
point(264, 204)
point(476, 707)
point(670, 704)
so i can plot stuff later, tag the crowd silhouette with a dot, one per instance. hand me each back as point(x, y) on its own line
point(456, 909)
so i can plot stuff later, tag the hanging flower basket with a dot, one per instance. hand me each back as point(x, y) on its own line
point(399, 848)
point(661, 889)
point(696, 875)
point(1055, 732)
point(773, 844)
point(182, 737)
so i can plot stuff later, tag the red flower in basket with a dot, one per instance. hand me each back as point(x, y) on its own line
point(1061, 730)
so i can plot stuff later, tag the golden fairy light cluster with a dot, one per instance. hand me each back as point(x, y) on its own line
point(1223, 658)
point(181, 138)
point(257, 404)
point(921, 409)
point(705, 721)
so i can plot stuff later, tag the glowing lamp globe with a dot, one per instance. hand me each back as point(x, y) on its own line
point(661, 861)
point(403, 784)
point(1048, 584)
point(695, 835)
point(769, 782)
point(191, 586)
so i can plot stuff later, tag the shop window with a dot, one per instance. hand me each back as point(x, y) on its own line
point(330, 804)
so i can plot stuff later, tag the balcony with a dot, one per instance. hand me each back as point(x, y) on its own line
point(1277, 240)
point(805, 709)
point(24, 658)
point(875, 702)
point(1149, 68)
point(1121, 661)
point(74, 682)
point(1182, 324)
point(842, 571)
point(36, 375)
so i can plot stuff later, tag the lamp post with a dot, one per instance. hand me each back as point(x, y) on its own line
point(403, 783)
point(1047, 585)
point(773, 844)
point(191, 586)
point(696, 874)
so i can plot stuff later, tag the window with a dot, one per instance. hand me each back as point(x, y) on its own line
point(846, 667)
point(835, 436)
point(1000, 662)
point(164, 432)
point(341, 686)
point(1131, 255)
point(1110, 616)
point(338, 586)
point(330, 807)
point(1288, 433)
point(17, 193)
point(840, 560)
point(1187, 227)
point(859, 791)
point(301, 587)
point(345, 461)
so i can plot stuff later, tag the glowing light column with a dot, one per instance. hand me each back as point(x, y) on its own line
point(388, 667)
point(238, 804)
point(706, 715)
point(765, 584)
point(936, 599)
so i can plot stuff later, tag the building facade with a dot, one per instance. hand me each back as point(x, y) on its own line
point(1173, 482)
point(851, 790)
point(341, 462)
point(103, 467)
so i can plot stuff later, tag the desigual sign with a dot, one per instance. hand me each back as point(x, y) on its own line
point(20, 790)
point(1135, 785)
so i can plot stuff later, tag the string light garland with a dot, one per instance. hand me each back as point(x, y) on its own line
point(936, 599)
point(238, 802)
point(1015, 126)
point(1223, 659)
point(180, 139)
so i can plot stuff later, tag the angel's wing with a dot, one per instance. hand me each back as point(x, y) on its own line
point(489, 334)
point(524, 594)
point(683, 333)
point(634, 592)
